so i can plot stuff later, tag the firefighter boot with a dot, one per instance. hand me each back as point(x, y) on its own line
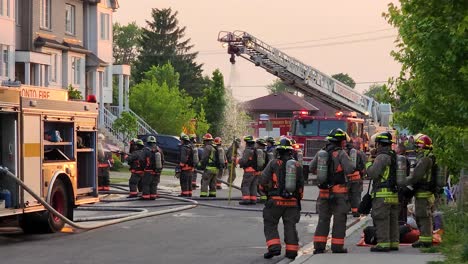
point(244, 202)
point(379, 249)
point(340, 250)
point(319, 251)
point(271, 254)
point(419, 244)
point(291, 255)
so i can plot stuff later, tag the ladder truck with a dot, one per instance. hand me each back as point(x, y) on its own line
point(357, 113)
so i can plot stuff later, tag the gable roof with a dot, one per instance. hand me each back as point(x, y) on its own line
point(279, 102)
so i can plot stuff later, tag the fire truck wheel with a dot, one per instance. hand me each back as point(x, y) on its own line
point(45, 222)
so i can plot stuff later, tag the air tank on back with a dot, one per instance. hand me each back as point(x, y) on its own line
point(322, 166)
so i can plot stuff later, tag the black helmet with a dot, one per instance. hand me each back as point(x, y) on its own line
point(284, 144)
point(261, 141)
point(336, 135)
point(270, 140)
point(384, 138)
point(249, 139)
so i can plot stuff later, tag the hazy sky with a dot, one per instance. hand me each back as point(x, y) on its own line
point(357, 41)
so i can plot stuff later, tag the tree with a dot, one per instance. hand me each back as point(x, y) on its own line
point(431, 89)
point(202, 124)
point(127, 43)
point(163, 41)
point(160, 102)
point(278, 86)
point(236, 120)
point(379, 92)
point(127, 125)
point(345, 78)
point(214, 102)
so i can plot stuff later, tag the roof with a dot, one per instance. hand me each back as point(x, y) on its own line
point(279, 102)
point(94, 61)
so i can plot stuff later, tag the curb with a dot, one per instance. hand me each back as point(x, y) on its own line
point(306, 251)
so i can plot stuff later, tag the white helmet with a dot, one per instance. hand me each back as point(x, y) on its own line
point(101, 136)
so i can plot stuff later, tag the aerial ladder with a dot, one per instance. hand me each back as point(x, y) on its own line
point(304, 78)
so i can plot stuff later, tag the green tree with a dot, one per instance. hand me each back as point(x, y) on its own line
point(345, 78)
point(163, 41)
point(127, 125)
point(278, 86)
point(74, 93)
point(379, 92)
point(127, 43)
point(214, 102)
point(432, 48)
point(202, 124)
point(160, 103)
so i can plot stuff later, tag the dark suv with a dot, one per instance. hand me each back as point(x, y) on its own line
point(168, 144)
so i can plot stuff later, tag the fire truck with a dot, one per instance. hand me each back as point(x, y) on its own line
point(357, 113)
point(49, 143)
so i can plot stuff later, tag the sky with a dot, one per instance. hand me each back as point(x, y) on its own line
point(332, 36)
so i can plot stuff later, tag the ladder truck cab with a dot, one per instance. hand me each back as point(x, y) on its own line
point(311, 82)
point(310, 133)
point(49, 143)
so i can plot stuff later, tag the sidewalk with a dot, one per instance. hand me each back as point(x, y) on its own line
point(358, 254)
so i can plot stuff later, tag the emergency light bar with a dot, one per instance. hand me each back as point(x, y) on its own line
point(302, 113)
point(345, 114)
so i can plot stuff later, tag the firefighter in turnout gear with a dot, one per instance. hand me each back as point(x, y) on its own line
point(249, 180)
point(105, 162)
point(209, 164)
point(193, 141)
point(270, 149)
point(154, 161)
point(422, 183)
point(186, 166)
point(334, 164)
point(217, 141)
point(260, 145)
point(137, 163)
point(282, 180)
point(385, 208)
point(232, 155)
point(355, 183)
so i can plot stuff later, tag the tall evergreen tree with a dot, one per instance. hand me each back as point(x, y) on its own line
point(163, 41)
point(214, 103)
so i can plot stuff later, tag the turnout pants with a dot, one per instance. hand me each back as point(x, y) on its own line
point(271, 217)
point(186, 183)
point(249, 187)
point(103, 177)
point(134, 181)
point(194, 178)
point(208, 181)
point(219, 176)
point(150, 184)
point(355, 194)
point(423, 212)
point(385, 217)
point(331, 204)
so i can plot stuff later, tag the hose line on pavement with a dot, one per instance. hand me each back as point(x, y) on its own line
point(106, 223)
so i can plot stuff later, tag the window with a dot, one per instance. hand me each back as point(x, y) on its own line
point(4, 54)
point(76, 63)
point(45, 14)
point(8, 8)
point(53, 68)
point(1, 7)
point(284, 114)
point(105, 26)
point(70, 19)
point(17, 12)
point(105, 80)
point(327, 125)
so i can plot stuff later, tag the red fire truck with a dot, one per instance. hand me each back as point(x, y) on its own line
point(310, 132)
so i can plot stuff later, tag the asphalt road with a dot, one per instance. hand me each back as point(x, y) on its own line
point(200, 235)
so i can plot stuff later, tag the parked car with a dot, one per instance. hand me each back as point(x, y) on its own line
point(169, 145)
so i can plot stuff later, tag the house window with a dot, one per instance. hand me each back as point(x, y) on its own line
point(17, 12)
point(283, 114)
point(105, 26)
point(70, 19)
point(76, 63)
point(53, 68)
point(1, 7)
point(45, 14)
point(4, 54)
point(8, 8)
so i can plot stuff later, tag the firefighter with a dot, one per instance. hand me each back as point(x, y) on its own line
point(282, 180)
point(333, 195)
point(217, 141)
point(270, 149)
point(249, 180)
point(105, 162)
point(232, 155)
point(136, 161)
point(209, 165)
point(355, 183)
point(260, 145)
point(154, 161)
point(193, 141)
point(186, 166)
point(385, 208)
point(420, 183)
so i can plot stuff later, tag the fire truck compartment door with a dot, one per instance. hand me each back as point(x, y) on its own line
point(32, 156)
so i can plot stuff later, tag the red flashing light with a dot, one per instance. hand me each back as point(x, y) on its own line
point(296, 146)
point(301, 113)
point(91, 98)
point(339, 114)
